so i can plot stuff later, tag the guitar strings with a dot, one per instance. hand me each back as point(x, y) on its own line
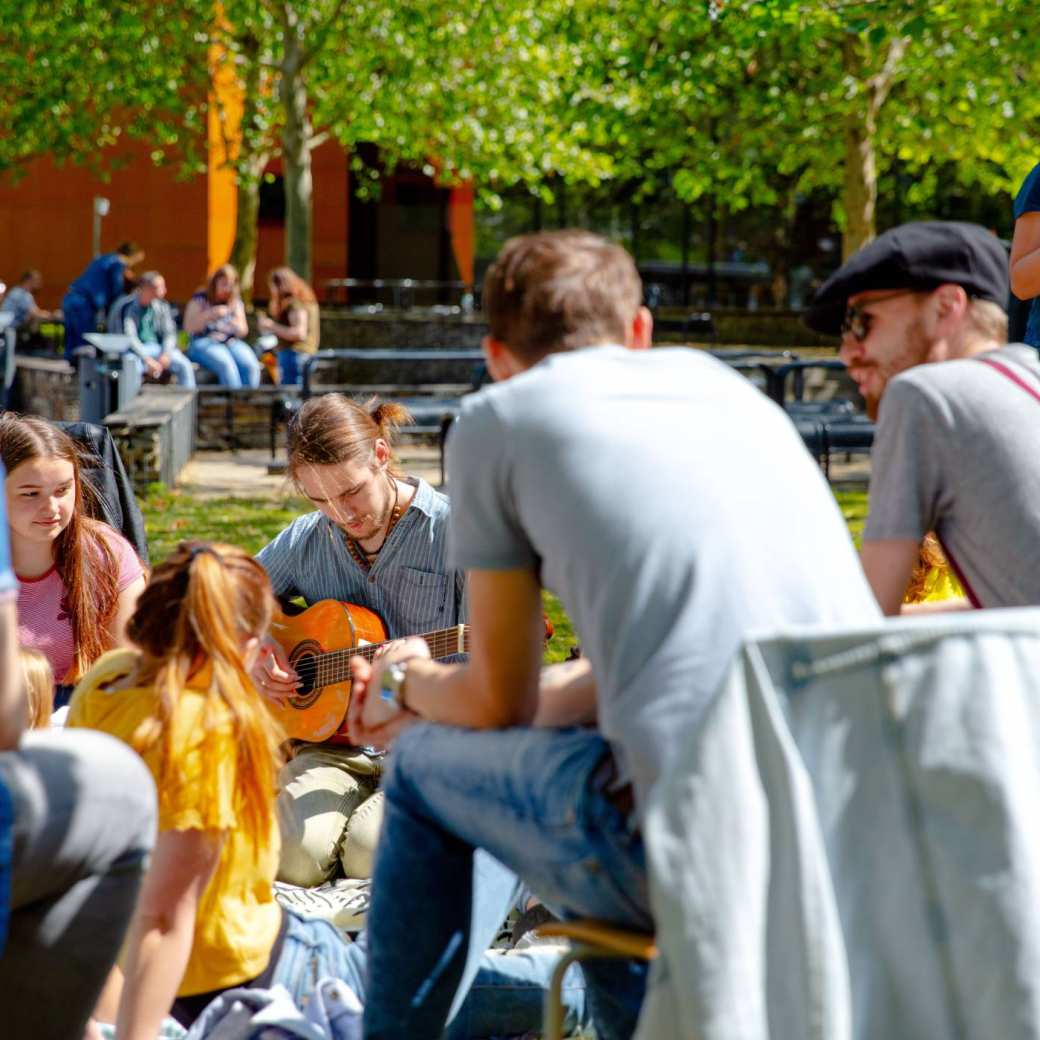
point(330, 667)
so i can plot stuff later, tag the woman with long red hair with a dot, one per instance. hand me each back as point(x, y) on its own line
point(294, 321)
point(78, 578)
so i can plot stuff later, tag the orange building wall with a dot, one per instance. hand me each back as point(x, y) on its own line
point(185, 227)
point(46, 221)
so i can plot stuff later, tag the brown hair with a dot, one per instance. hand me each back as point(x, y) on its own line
point(289, 288)
point(226, 271)
point(560, 290)
point(334, 428)
point(85, 561)
point(203, 603)
point(129, 249)
point(39, 686)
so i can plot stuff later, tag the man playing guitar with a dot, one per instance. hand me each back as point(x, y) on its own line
point(376, 540)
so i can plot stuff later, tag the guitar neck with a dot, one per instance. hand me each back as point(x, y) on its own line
point(333, 666)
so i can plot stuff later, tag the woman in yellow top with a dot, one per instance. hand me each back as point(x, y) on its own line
point(207, 919)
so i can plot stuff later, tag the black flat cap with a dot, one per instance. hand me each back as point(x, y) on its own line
point(922, 255)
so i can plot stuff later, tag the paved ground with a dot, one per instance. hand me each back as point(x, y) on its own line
point(243, 474)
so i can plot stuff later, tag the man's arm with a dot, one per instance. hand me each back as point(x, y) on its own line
point(566, 695)
point(498, 686)
point(1025, 257)
point(888, 565)
point(167, 329)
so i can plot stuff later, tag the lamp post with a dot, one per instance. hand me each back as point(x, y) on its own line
point(101, 207)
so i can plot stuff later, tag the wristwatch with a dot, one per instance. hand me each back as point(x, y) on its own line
point(391, 689)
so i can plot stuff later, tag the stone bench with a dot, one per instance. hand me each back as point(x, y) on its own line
point(155, 434)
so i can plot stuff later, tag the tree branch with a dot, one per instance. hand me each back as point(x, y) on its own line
point(879, 85)
point(320, 35)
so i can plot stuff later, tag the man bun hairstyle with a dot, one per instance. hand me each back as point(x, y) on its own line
point(334, 428)
point(560, 290)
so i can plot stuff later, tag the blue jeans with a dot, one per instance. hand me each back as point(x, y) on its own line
point(529, 798)
point(234, 363)
point(508, 992)
point(289, 366)
point(180, 366)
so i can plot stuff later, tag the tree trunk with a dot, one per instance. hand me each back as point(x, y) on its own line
point(859, 193)
point(243, 251)
point(296, 156)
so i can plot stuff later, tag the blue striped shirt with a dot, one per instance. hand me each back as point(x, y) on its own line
point(410, 585)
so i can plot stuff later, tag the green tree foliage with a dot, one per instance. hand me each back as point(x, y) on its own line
point(752, 101)
point(81, 76)
point(744, 102)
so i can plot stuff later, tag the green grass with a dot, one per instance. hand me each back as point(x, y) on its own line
point(853, 506)
point(172, 516)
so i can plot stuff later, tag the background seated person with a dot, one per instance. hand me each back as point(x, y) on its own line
point(215, 320)
point(78, 579)
point(21, 302)
point(146, 317)
point(294, 320)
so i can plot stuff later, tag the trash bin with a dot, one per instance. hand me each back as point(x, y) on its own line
point(109, 376)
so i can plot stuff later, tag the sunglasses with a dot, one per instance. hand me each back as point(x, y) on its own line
point(857, 321)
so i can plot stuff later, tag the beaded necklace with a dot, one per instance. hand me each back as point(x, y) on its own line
point(363, 557)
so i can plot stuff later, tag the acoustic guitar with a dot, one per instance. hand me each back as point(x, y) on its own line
point(320, 644)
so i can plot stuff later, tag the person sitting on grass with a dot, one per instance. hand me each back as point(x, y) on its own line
point(78, 578)
point(207, 920)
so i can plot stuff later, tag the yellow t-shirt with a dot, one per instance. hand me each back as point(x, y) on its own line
point(238, 918)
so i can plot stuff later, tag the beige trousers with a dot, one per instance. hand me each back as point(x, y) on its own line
point(329, 812)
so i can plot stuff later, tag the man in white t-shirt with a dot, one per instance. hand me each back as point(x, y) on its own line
point(674, 510)
point(921, 313)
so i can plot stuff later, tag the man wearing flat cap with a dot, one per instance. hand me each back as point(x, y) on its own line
point(921, 312)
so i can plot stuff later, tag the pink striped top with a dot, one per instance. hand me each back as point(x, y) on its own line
point(43, 622)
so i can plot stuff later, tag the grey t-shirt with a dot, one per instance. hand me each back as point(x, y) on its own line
point(674, 510)
point(953, 453)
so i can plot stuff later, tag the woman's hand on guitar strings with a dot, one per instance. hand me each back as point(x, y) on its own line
point(274, 677)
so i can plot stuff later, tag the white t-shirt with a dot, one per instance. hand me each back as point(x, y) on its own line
point(673, 509)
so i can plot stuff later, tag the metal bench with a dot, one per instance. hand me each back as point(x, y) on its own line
point(840, 427)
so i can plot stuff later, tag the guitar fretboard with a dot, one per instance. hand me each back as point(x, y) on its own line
point(330, 667)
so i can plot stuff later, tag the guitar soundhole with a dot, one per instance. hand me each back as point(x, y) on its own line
point(305, 660)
